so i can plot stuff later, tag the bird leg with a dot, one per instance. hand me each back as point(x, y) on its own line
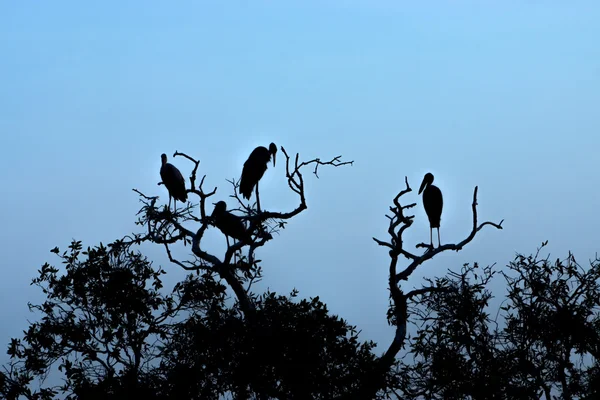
point(169, 202)
point(439, 242)
point(431, 236)
point(257, 198)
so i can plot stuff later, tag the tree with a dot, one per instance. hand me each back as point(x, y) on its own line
point(538, 345)
point(114, 332)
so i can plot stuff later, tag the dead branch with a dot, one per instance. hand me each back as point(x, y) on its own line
point(399, 218)
point(432, 252)
point(199, 191)
point(295, 181)
point(153, 198)
point(196, 164)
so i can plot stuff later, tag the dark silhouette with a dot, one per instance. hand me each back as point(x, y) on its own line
point(109, 328)
point(174, 181)
point(254, 169)
point(433, 203)
point(231, 225)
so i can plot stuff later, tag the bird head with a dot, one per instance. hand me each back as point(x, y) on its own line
point(220, 207)
point(163, 157)
point(273, 151)
point(427, 180)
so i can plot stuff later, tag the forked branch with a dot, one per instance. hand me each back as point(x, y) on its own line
point(432, 252)
point(399, 310)
point(295, 181)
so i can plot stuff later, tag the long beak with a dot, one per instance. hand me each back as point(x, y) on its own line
point(274, 159)
point(214, 204)
point(423, 184)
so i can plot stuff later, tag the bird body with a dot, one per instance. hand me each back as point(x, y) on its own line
point(173, 180)
point(255, 167)
point(433, 203)
point(231, 225)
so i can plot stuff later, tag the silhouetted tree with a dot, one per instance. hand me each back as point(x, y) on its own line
point(542, 343)
point(113, 331)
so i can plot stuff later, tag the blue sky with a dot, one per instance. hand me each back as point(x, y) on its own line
point(503, 95)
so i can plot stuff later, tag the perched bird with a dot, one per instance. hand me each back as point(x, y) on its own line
point(254, 169)
point(174, 181)
point(231, 225)
point(433, 203)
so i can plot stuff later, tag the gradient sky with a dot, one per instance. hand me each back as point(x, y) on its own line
point(500, 94)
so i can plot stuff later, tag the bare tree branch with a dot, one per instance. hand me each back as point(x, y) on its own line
point(432, 252)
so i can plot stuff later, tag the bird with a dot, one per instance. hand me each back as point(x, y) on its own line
point(231, 225)
point(433, 204)
point(254, 169)
point(173, 180)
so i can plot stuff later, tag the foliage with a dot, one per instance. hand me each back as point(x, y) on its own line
point(542, 343)
point(110, 329)
point(113, 334)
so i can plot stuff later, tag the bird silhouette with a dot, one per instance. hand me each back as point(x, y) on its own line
point(254, 169)
point(231, 225)
point(174, 182)
point(433, 204)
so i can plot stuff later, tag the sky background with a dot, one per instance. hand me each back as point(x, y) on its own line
point(504, 95)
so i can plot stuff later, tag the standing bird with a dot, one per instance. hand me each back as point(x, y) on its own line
point(433, 203)
point(229, 224)
point(254, 169)
point(173, 180)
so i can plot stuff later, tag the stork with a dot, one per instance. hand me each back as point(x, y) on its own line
point(433, 204)
point(231, 225)
point(254, 169)
point(174, 182)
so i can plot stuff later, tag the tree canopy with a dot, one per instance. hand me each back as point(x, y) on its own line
point(109, 329)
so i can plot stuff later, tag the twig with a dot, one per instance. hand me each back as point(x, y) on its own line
point(432, 252)
point(182, 265)
point(144, 196)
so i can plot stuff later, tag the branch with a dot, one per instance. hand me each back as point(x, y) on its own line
point(214, 260)
point(199, 192)
point(432, 252)
point(182, 265)
point(295, 182)
point(196, 164)
point(335, 161)
point(426, 290)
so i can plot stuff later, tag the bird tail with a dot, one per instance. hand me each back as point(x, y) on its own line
point(181, 195)
point(245, 188)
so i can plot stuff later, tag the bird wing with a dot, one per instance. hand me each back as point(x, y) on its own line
point(254, 168)
point(178, 175)
point(174, 181)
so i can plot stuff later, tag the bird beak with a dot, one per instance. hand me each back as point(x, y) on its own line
point(214, 204)
point(274, 159)
point(423, 184)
